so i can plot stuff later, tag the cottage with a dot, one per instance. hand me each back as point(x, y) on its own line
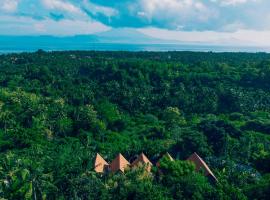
point(201, 165)
point(142, 160)
point(100, 164)
point(119, 164)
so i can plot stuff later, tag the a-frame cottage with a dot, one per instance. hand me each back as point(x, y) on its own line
point(201, 165)
point(119, 164)
point(142, 160)
point(100, 164)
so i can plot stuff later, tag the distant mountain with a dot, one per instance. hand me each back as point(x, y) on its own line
point(114, 39)
point(124, 35)
point(129, 36)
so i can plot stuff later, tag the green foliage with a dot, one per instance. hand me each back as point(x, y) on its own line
point(58, 109)
point(173, 170)
point(24, 179)
point(182, 180)
point(109, 111)
point(191, 141)
point(87, 119)
point(260, 190)
point(173, 116)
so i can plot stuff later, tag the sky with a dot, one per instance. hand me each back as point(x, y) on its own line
point(184, 20)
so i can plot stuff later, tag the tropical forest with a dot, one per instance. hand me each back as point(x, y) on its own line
point(58, 110)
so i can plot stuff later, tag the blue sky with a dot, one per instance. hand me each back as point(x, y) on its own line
point(185, 20)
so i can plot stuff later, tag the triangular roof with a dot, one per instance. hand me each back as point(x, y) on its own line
point(119, 163)
point(100, 164)
point(200, 164)
point(143, 160)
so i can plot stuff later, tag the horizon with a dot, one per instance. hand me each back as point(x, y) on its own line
point(186, 82)
point(238, 22)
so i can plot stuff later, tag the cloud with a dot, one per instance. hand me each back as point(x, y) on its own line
point(96, 10)
point(184, 15)
point(241, 37)
point(233, 2)
point(188, 15)
point(9, 5)
point(174, 14)
point(29, 26)
point(80, 9)
point(61, 5)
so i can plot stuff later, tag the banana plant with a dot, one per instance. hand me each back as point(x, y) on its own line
point(22, 179)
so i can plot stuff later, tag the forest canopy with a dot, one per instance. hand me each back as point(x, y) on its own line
point(58, 109)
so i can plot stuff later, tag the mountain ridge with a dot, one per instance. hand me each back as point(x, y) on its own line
point(125, 36)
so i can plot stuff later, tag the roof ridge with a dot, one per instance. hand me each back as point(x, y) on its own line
point(201, 163)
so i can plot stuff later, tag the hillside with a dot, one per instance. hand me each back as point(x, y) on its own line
point(59, 109)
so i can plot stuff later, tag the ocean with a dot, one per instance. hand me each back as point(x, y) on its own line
point(13, 48)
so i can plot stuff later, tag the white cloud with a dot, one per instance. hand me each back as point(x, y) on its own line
point(9, 5)
point(153, 7)
point(240, 37)
point(69, 27)
point(177, 13)
point(233, 2)
point(61, 5)
point(185, 15)
point(30, 26)
point(96, 9)
point(237, 25)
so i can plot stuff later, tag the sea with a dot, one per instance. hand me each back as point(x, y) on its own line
point(13, 48)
